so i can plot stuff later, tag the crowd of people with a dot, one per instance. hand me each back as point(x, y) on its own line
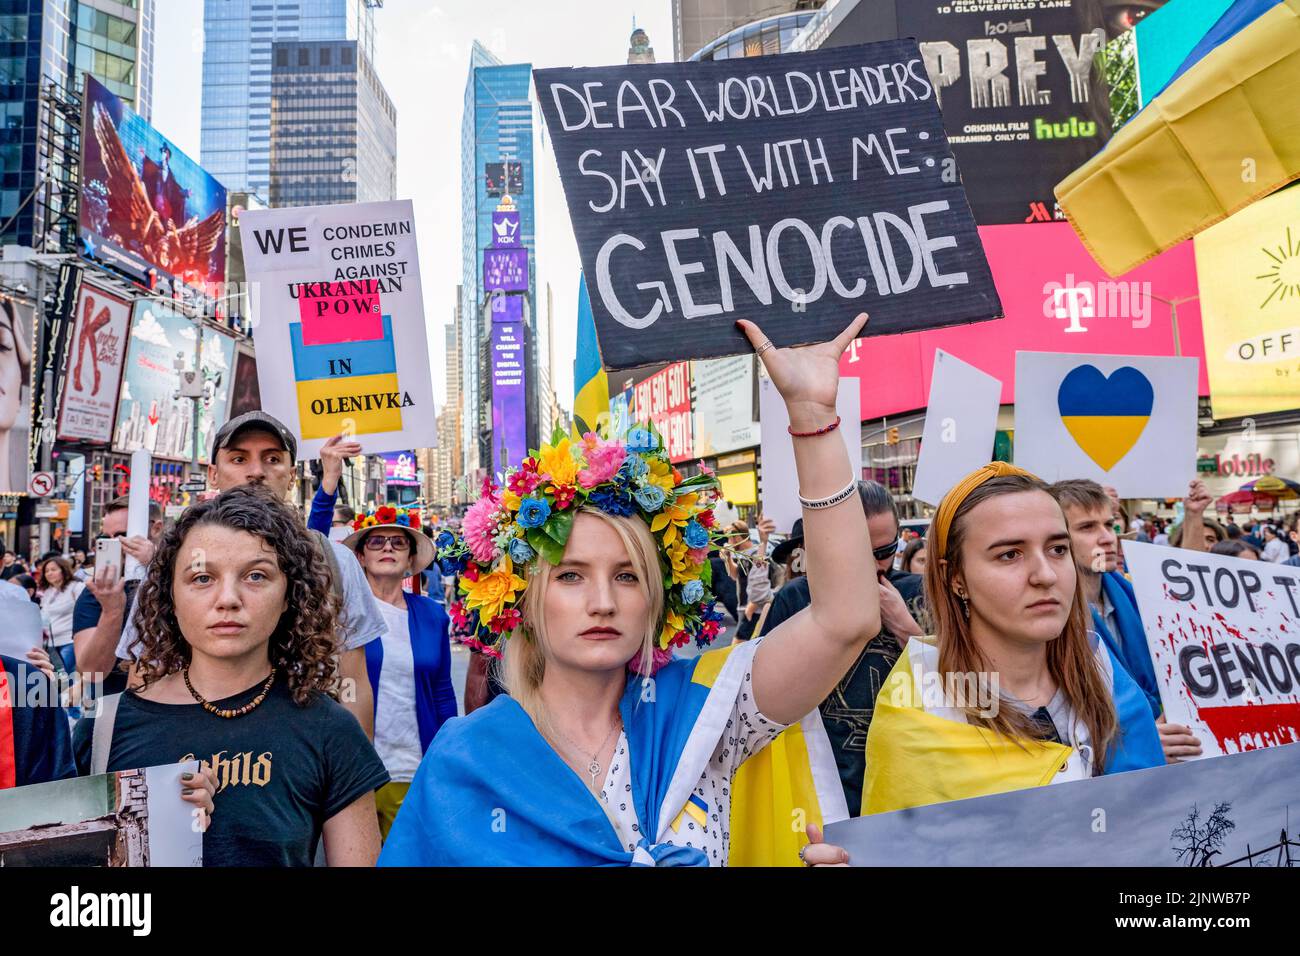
point(635, 662)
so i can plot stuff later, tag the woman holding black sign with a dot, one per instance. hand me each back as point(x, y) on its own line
point(592, 562)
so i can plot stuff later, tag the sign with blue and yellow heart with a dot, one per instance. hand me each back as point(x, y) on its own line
point(1105, 414)
point(1123, 420)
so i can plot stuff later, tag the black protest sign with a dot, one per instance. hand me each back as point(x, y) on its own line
point(793, 190)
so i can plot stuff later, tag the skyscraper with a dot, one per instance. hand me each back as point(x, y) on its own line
point(496, 160)
point(48, 46)
point(333, 126)
point(235, 144)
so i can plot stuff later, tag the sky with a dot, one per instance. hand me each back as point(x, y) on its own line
point(422, 49)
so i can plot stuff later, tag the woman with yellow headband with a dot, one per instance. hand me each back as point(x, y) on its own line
point(1013, 690)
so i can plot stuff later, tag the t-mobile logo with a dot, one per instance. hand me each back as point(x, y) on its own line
point(1074, 304)
point(1075, 300)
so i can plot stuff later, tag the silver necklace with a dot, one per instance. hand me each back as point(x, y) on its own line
point(593, 766)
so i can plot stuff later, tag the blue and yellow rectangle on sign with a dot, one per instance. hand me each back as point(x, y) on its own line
point(346, 386)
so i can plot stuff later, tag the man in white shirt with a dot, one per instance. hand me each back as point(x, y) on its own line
point(1275, 549)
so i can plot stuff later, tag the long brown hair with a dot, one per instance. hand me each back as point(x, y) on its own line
point(303, 644)
point(1070, 658)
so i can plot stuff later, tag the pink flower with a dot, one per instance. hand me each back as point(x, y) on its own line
point(697, 555)
point(603, 461)
point(480, 527)
point(659, 659)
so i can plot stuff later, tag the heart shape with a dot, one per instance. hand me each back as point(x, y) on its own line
point(1105, 414)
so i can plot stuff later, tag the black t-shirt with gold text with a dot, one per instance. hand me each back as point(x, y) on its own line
point(280, 770)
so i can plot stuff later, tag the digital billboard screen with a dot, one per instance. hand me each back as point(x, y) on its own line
point(505, 270)
point(502, 178)
point(400, 470)
point(145, 205)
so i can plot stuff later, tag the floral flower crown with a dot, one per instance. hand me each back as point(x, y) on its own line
point(507, 528)
point(387, 514)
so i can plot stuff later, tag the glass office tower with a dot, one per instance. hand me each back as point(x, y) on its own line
point(496, 129)
point(235, 144)
point(333, 126)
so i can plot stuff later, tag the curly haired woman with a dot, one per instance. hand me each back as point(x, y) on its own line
point(236, 623)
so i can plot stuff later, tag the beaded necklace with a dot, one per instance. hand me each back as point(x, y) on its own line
point(231, 713)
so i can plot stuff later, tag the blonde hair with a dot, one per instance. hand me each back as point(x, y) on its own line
point(1070, 658)
point(525, 654)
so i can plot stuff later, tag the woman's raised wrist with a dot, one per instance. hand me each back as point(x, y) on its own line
point(810, 416)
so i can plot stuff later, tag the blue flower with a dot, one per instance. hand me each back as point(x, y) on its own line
point(633, 467)
point(403, 521)
point(693, 591)
point(650, 497)
point(444, 541)
point(614, 501)
point(695, 535)
point(454, 566)
point(520, 551)
point(533, 512)
point(641, 440)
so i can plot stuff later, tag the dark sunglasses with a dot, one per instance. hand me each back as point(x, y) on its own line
point(885, 551)
point(377, 542)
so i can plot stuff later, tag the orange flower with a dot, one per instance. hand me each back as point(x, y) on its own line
point(492, 592)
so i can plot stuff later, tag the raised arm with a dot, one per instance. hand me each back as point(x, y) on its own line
point(802, 659)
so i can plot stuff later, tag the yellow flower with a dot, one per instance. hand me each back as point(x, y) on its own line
point(661, 474)
point(673, 622)
point(673, 517)
point(369, 522)
point(492, 592)
point(510, 500)
point(558, 462)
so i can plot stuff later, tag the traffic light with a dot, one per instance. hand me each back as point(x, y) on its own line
point(891, 437)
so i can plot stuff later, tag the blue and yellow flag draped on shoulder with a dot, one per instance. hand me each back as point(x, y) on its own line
point(590, 385)
point(492, 792)
point(917, 756)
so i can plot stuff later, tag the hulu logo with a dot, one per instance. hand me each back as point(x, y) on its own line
point(1072, 130)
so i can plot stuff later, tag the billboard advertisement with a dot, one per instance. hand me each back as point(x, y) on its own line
point(507, 308)
point(149, 415)
point(1056, 299)
point(145, 205)
point(665, 400)
point(725, 416)
point(505, 270)
point(1249, 266)
point(509, 397)
point(94, 366)
point(505, 228)
point(400, 469)
point(244, 392)
point(16, 373)
point(1019, 90)
point(503, 178)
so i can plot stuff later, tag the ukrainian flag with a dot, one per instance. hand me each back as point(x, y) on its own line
point(590, 385)
point(1222, 134)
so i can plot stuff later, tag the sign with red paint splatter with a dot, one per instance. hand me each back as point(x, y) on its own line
point(1224, 636)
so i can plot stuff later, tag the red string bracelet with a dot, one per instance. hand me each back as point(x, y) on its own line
point(821, 431)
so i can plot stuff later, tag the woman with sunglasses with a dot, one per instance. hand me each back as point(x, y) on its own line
point(410, 666)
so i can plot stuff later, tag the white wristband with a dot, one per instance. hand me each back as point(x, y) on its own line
point(844, 494)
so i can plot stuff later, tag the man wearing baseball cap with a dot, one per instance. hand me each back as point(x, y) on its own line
point(257, 449)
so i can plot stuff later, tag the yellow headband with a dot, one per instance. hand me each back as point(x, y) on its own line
point(959, 493)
